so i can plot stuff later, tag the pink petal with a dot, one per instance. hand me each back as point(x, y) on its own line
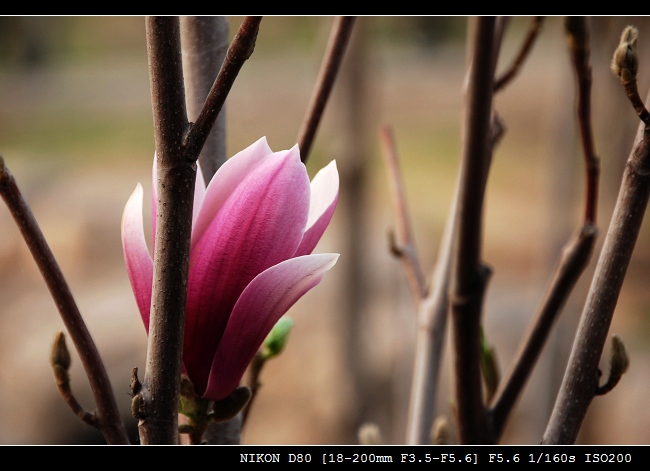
point(139, 264)
point(324, 196)
point(224, 182)
point(260, 306)
point(259, 225)
point(199, 194)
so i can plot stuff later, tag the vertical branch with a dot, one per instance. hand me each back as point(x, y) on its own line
point(204, 42)
point(176, 177)
point(470, 275)
point(108, 417)
point(339, 38)
point(432, 310)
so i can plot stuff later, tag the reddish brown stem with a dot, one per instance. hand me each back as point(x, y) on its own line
point(339, 38)
point(470, 275)
point(108, 418)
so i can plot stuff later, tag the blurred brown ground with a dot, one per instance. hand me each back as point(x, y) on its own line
point(75, 130)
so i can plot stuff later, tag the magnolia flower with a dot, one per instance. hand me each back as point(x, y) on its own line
point(253, 230)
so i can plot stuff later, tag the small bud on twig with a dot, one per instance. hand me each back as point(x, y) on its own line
point(229, 407)
point(60, 356)
point(277, 339)
point(440, 434)
point(370, 434)
point(618, 365)
point(625, 62)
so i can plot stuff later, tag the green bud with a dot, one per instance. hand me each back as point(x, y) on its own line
point(277, 338)
point(489, 367)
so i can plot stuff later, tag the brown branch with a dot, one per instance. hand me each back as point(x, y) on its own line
point(239, 51)
point(108, 416)
point(204, 42)
point(432, 311)
point(469, 274)
point(574, 259)
point(255, 367)
point(175, 187)
point(578, 39)
point(338, 41)
point(404, 246)
point(534, 29)
point(577, 252)
point(581, 377)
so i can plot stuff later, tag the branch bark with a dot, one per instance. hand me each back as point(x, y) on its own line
point(108, 419)
point(339, 38)
point(581, 377)
point(470, 276)
point(577, 252)
point(175, 186)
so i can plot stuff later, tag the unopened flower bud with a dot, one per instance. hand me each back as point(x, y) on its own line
point(440, 434)
point(60, 355)
point(625, 62)
point(370, 434)
point(618, 359)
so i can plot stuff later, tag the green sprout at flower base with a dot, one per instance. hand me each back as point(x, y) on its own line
point(277, 338)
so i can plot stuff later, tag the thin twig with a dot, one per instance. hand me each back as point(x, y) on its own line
point(239, 51)
point(255, 368)
point(578, 250)
point(470, 275)
point(204, 43)
point(578, 39)
point(404, 246)
point(574, 259)
point(339, 38)
point(534, 29)
point(108, 415)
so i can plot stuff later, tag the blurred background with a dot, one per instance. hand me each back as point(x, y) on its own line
point(76, 132)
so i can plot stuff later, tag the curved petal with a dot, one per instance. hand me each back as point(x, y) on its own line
point(229, 175)
point(259, 225)
point(260, 306)
point(139, 264)
point(324, 196)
